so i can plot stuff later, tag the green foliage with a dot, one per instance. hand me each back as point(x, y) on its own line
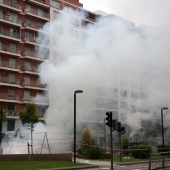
point(151, 133)
point(87, 150)
point(93, 152)
point(86, 138)
point(162, 149)
point(141, 151)
point(3, 115)
point(125, 146)
point(29, 114)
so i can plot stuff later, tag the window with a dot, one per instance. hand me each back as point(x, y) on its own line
point(70, 9)
point(28, 23)
point(11, 93)
point(12, 63)
point(91, 16)
point(74, 21)
point(57, 15)
point(124, 105)
point(11, 109)
point(27, 66)
point(40, 12)
point(55, 4)
point(10, 125)
point(27, 80)
point(11, 78)
point(134, 95)
point(28, 8)
point(28, 36)
point(26, 95)
point(123, 93)
point(14, 3)
point(0, 60)
point(13, 47)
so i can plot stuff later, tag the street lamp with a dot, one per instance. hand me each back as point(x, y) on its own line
point(164, 108)
point(75, 92)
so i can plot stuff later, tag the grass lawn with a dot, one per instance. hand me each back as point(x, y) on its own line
point(35, 165)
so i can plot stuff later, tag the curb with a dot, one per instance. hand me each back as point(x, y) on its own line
point(76, 167)
point(131, 163)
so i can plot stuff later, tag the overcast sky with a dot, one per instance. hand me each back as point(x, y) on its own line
point(148, 12)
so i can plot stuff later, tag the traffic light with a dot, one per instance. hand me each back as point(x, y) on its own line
point(109, 119)
point(119, 126)
point(123, 130)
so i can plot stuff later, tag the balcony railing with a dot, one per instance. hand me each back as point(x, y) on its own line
point(5, 96)
point(37, 41)
point(12, 113)
point(9, 49)
point(9, 65)
point(10, 3)
point(33, 25)
point(10, 34)
point(33, 84)
point(34, 54)
point(8, 80)
point(32, 69)
point(36, 12)
point(10, 19)
point(29, 98)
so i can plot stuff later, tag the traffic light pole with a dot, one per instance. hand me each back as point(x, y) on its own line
point(120, 141)
point(111, 147)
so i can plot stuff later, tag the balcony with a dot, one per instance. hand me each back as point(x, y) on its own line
point(36, 41)
point(10, 66)
point(11, 5)
point(9, 82)
point(8, 19)
point(12, 114)
point(33, 55)
point(32, 70)
point(28, 99)
point(9, 50)
point(33, 26)
point(9, 98)
point(10, 35)
point(39, 2)
point(34, 85)
point(36, 13)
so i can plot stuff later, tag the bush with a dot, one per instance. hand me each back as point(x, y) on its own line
point(141, 151)
point(125, 146)
point(93, 153)
point(165, 149)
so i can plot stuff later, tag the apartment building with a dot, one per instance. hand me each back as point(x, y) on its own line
point(20, 24)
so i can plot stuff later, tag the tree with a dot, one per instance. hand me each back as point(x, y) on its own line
point(86, 138)
point(29, 115)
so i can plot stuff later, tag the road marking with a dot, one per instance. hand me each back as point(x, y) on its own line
point(104, 168)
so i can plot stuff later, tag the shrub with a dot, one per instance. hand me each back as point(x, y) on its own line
point(165, 149)
point(93, 152)
point(141, 151)
point(125, 146)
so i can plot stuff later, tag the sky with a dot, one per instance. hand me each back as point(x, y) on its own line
point(142, 12)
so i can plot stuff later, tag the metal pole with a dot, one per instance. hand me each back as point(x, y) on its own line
point(163, 164)
point(111, 147)
point(74, 127)
point(120, 138)
point(162, 128)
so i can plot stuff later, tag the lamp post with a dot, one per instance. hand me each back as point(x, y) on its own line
point(75, 92)
point(164, 108)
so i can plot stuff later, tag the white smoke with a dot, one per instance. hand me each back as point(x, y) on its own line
point(95, 60)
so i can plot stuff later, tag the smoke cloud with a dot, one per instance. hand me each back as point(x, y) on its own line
point(104, 59)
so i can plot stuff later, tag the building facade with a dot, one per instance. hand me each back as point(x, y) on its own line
point(20, 24)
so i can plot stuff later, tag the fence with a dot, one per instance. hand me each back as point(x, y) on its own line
point(159, 160)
